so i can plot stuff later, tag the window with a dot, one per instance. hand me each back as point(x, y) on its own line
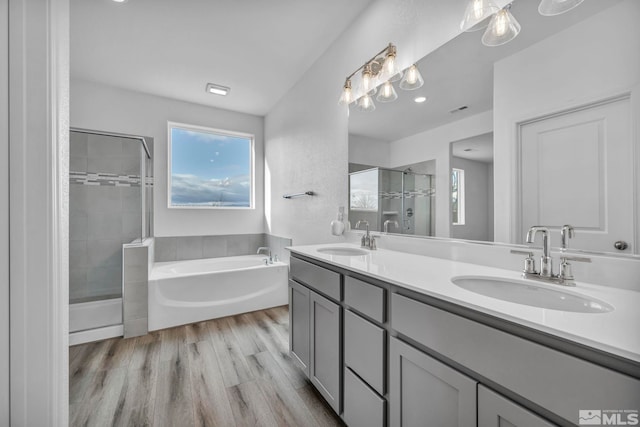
point(457, 196)
point(210, 168)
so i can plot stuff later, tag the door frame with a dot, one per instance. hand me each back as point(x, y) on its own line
point(38, 211)
point(516, 196)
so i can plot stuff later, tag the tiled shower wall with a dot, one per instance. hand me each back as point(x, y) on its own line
point(197, 247)
point(105, 212)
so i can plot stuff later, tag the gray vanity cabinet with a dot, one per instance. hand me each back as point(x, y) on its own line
point(495, 410)
point(299, 325)
point(316, 326)
point(325, 367)
point(424, 391)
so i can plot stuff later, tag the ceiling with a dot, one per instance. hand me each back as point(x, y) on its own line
point(460, 73)
point(173, 48)
point(478, 148)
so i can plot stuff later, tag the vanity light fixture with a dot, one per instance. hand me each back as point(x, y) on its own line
point(218, 89)
point(502, 29)
point(382, 70)
point(477, 14)
point(557, 7)
point(420, 99)
point(412, 79)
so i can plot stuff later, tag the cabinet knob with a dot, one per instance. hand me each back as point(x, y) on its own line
point(620, 245)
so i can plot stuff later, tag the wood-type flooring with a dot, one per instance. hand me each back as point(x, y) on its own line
point(233, 371)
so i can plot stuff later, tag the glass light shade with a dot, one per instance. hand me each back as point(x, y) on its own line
point(368, 82)
point(412, 79)
point(502, 29)
point(366, 104)
point(387, 93)
point(390, 71)
point(556, 7)
point(347, 95)
point(477, 13)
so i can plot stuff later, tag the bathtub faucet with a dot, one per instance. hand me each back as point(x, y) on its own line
point(265, 249)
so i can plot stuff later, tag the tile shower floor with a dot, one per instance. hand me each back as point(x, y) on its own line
point(233, 371)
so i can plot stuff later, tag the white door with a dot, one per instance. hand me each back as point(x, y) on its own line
point(577, 168)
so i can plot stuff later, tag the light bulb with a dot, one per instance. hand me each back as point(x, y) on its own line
point(502, 29)
point(387, 93)
point(477, 13)
point(500, 26)
point(347, 95)
point(412, 79)
point(366, 104)
point(390, 69)
point(367, 79)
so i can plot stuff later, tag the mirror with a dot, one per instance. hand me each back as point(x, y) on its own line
point(539, 131)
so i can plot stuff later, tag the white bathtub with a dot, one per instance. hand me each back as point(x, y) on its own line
point(183, 292)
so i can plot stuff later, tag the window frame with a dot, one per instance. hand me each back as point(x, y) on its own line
point(461, 196)
point(223, 132)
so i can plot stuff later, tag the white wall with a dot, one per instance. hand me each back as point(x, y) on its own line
point(309, 126)
point(435, 144)
point(4, 214)
point(525, 87)
point(368, 151)
point(478, 210)
point(99, 107)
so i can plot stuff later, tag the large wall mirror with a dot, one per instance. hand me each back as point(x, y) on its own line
point(542, 130)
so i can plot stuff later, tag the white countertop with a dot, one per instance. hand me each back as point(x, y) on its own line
point(616, 332)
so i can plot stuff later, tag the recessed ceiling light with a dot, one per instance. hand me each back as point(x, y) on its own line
point(420, 99)
point(218, 89)
point(120, 1)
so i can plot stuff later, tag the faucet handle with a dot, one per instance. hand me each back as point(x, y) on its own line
point(529, 262)
point(575, 258)
point(528, 253)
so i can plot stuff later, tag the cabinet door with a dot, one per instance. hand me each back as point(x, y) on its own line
point(299, 322)
point(325, 364)
point(497, 411)
point(425, 392)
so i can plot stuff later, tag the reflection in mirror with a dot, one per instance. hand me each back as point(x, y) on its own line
point(395, 201)
point(559, 102)
point(472, 188)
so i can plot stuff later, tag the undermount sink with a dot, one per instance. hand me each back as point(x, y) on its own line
point(527, 293)
point(342, 251)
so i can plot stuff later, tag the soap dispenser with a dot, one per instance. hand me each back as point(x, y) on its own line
point(337, 225)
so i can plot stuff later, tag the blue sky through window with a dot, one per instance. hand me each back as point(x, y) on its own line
point(210, 169)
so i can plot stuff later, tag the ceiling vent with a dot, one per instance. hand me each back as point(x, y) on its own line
point(457, 110)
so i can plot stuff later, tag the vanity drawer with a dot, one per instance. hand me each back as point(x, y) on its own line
point(366, 298)
point(364, 345)
point(325, 281)
point(536, 373)
point(362, 406)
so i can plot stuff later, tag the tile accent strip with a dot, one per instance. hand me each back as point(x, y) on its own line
point(107, 179)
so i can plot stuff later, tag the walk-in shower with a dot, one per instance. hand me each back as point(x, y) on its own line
point(401, 199)
point(110, 205)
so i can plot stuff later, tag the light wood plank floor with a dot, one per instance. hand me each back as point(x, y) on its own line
point(234, 371)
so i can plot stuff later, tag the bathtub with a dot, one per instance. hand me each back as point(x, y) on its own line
point(183, 292)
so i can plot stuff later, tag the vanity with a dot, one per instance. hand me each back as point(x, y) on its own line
point(389, 339)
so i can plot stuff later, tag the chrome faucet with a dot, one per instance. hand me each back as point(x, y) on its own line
point(546, 263)
point(390, 221)
point(565, 277)
point(367, 241)
point(267, 250)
